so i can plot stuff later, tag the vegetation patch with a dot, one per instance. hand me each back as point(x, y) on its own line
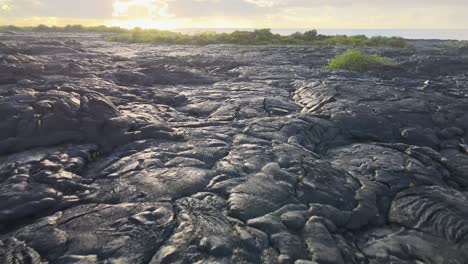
point(255, 37)
point(461, 44)
point(357, 61)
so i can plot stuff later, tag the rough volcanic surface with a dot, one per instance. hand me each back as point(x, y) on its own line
point(119, 153)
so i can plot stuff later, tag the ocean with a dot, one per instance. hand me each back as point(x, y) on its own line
point(452, 34)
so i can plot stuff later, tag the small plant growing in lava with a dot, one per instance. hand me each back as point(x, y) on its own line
point(357, 61)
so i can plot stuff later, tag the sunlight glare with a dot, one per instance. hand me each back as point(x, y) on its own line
point(144, 23)
point(141, 13)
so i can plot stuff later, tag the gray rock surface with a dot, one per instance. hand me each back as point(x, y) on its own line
point(119, 153)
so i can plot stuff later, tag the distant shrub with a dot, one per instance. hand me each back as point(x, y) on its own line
point(454, 44)
point(358, 61)
point(310, 35)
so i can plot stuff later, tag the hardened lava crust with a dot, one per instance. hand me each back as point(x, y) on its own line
point(137, 153)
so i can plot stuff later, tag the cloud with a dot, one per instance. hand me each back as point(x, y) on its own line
point(239, 13)
point(266, 3)
point(14, 7)
point(90, 9)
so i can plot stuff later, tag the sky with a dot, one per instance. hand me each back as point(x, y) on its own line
point(171, 14)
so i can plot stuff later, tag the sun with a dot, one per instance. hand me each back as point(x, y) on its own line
point(142, 13)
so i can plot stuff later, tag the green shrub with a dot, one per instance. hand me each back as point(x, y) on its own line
point(453, 44)
point(358, 61)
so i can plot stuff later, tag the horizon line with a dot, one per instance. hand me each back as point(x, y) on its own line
point(325, 28)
